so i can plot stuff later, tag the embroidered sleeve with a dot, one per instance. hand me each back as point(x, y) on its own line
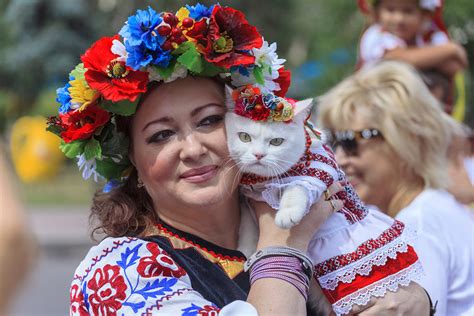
point(128, 276)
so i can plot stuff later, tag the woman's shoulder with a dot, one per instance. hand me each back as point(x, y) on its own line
point(435, 209)
point(123, 253)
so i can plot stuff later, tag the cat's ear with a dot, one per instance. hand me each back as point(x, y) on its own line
point(303, 109)
point(229, 101)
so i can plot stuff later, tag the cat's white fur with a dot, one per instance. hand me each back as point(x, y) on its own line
point(276, 159)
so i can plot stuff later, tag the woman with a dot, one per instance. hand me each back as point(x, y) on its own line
point(391, 139)
point(174, 220)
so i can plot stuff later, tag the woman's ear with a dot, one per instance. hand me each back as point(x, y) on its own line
point(303, 109)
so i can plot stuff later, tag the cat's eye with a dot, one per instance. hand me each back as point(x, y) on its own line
point(276, 141)
point(245, 137)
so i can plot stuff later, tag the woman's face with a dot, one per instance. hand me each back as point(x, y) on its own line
point(402, 18)
point(179, 145)
point(374, 170)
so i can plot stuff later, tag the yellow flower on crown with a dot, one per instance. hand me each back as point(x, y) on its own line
point(82, 94)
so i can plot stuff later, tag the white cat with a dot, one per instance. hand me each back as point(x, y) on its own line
point(282, 165)
point(287, 169)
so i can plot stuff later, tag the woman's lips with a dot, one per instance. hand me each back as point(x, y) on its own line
point(199, 175)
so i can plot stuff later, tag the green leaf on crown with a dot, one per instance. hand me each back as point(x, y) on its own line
point(92, 149)
point(165, 73)
point(124, 107)
point(192, 60)
point(183, 48)
point(110, 169)
point(258, 74)
point(74, 148)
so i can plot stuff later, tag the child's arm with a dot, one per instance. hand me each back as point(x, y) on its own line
point(447, 58)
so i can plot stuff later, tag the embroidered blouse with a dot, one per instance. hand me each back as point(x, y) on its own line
point(170, 273)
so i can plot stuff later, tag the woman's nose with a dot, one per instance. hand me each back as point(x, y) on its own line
point(192, 148)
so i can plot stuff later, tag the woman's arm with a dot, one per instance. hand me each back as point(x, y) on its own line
point(431, 56)
point(274, 296)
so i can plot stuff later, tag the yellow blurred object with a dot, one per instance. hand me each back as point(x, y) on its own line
point(35, 152)
point(459, 109)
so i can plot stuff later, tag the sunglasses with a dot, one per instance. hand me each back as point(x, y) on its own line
point(348, 139)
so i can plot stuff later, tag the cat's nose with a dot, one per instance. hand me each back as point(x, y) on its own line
point(259, 156)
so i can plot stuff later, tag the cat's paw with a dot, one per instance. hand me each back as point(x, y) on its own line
point(288, 218)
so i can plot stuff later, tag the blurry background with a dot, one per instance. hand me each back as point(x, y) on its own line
point(40, 42)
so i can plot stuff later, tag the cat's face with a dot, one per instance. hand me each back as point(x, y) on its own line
point(266, 148)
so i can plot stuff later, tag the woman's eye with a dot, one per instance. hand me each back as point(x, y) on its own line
point(160, 136)
point(276, 141)
point(244, 137)
point(210, 120)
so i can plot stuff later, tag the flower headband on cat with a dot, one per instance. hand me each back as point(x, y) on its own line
point(252, 103)
point(162, 47)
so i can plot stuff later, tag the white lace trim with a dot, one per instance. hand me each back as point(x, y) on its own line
point(364, 265)
point(379, 288)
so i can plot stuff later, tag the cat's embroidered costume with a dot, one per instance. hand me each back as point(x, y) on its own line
point(358, 253)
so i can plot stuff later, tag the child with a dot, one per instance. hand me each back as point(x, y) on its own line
point(412, 31)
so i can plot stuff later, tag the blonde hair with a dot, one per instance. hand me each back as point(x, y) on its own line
point(392, 98)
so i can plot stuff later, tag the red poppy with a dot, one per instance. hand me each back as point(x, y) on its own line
point(111, 77)
point(230, 38)
point(158, 264)
point(284, 80)
point(81, 125)
point(108, 290)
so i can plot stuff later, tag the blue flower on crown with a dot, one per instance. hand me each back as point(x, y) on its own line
point(63, 97)
point(140, 29)
point(140, 56)
point(199, 11)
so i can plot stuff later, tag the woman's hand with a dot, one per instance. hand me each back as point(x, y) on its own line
point(299, 235)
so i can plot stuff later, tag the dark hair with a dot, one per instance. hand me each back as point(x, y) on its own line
point(126, 210)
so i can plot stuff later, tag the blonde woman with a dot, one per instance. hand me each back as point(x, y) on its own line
point(391, 138)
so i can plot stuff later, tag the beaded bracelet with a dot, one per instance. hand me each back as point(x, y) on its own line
point(284, 268)
point(306, 263)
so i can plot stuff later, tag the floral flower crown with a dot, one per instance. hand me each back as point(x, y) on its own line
point(115, 71)
point(251, 102)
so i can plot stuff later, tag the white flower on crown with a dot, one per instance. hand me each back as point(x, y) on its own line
point(88, 167)
point(119, 49)
point(266, 55)
point(430, 5)
point(179, 71)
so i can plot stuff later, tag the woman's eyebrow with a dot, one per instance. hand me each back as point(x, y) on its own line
point(202, 107)
point(165, 119)
point(194, 112)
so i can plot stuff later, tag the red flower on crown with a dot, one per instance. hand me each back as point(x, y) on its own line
point(82, 124)
point(284, 80)
point(229, 39)
point(109, 75)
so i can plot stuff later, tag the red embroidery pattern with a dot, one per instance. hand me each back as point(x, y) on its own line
point(363, 250)
point(159, 263)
